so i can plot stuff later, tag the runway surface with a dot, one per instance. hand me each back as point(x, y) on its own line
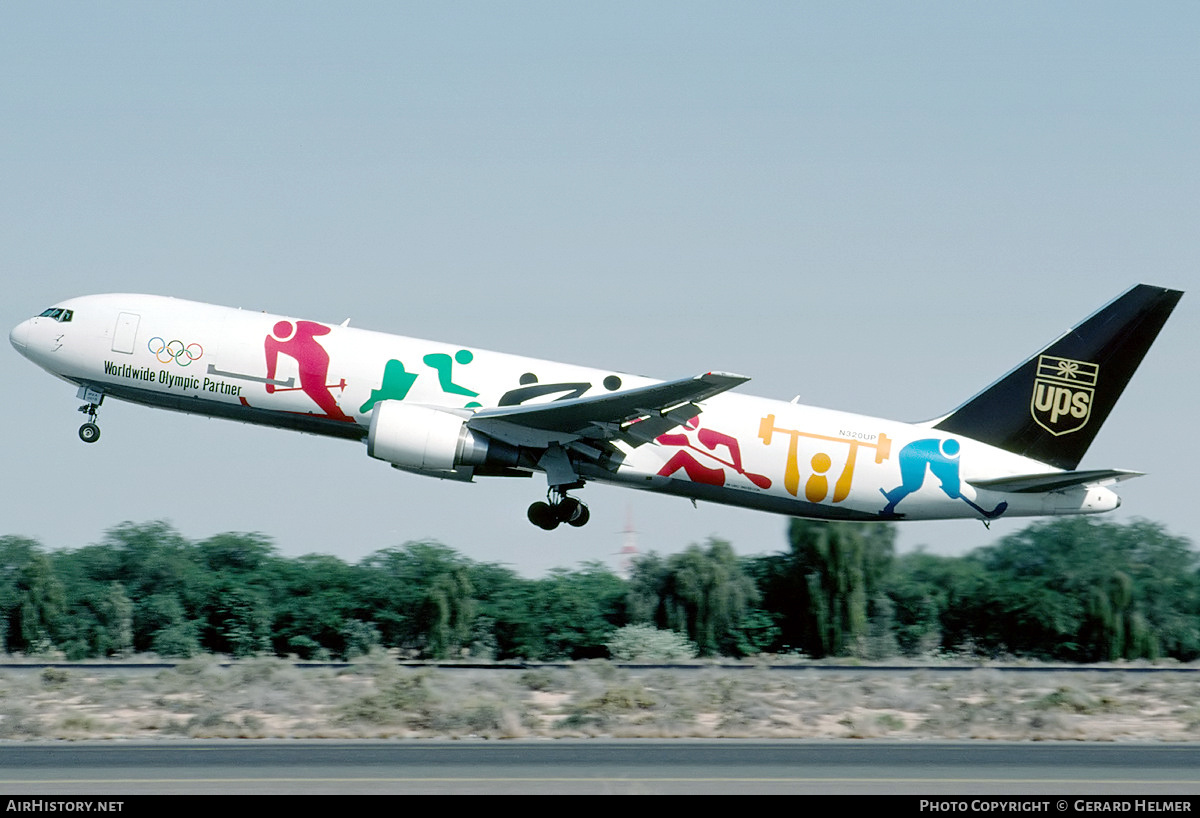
point(599, 766)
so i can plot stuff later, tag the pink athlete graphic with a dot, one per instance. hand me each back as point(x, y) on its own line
point(696, 471)
point(299, 341)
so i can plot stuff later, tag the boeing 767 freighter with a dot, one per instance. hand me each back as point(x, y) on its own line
point(455, 412)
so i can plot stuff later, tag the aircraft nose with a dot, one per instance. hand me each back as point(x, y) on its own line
point(19, 337)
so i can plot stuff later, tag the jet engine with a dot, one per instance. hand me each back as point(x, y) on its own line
point(432, 441)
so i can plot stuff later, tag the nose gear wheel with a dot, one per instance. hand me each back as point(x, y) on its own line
point(90, 431)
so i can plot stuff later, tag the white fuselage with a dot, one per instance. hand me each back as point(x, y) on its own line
point(327, 379)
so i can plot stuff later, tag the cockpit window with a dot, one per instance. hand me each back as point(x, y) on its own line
point(58, 314)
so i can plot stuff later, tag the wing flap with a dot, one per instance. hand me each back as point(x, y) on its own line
point(650, 424)
point(662, 406)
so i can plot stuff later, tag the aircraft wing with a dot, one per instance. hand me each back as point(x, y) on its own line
point(1054, 481)
point(634, 415)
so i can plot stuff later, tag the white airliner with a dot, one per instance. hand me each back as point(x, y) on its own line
point(456, 412)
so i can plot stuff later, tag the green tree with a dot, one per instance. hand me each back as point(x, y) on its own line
point(931, 595)
point(1082, 590)
point(318, 608)
point(505, 626)
point(154, 563)
point(577, 611)
point(703, 592)
point(822, 590)
point(648, 581)
point(1165, 570)
point(39, 605)
point(421, 598)
point(239, 621)
point(238, 615)
point(118, 619)
point(98, 612)
point(16, 554)
point(167, 627)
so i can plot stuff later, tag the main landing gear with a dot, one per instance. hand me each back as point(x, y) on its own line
point(558, 508)
point(90, 432)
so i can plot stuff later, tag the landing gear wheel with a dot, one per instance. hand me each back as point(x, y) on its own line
point(543, 516)
point(581, 518)
point(572, 512)
point(560, 508)
point(89, 433)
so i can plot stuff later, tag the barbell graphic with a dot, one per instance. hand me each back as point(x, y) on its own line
point(817, 491)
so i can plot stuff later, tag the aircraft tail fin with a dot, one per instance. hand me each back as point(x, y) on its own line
point(1051, 407)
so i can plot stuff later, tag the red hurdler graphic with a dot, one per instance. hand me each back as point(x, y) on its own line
point(698, 472)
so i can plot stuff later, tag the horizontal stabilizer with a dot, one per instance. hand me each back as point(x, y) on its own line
point(1054, 481)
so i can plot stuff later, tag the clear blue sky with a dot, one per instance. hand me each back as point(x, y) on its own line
point(880, 207)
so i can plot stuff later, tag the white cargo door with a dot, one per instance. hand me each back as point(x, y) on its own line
point(125, 332)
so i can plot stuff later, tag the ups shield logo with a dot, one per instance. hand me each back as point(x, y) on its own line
point(1062, 393)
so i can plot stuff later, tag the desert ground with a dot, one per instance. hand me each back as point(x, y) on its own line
point(376, 697)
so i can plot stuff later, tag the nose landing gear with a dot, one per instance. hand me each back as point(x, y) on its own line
point(559, 508)
point(90, 431)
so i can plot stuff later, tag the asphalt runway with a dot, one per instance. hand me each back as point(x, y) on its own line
point(600, 767)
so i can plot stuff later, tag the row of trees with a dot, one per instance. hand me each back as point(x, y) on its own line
point(1075, 590)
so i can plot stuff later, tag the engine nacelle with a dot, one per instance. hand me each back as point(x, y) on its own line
point(424, 439)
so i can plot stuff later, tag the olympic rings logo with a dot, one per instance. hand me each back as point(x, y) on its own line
point(177, 351)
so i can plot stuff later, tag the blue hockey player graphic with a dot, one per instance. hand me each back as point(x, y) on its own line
point(939, 457)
